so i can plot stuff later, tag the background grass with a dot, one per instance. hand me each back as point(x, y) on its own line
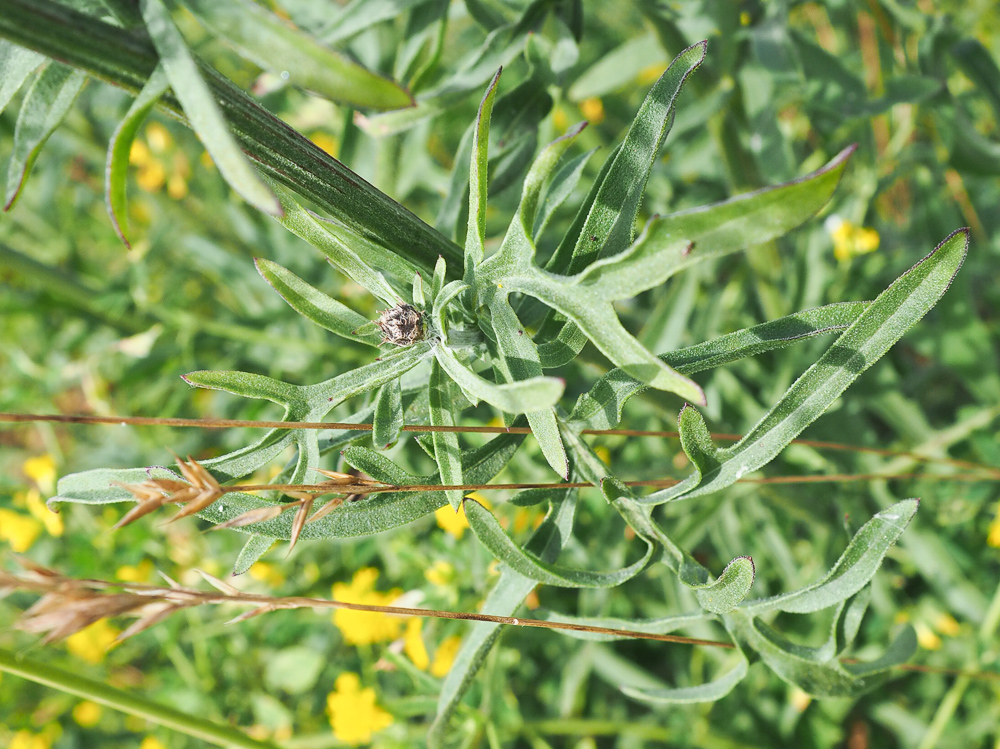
point(88, 326)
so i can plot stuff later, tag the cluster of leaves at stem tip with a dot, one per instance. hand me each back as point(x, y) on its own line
point(491, 327)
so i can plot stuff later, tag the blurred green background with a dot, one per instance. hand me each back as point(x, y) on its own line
point(88, 326)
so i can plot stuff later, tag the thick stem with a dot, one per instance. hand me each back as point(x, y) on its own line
point(126, 59)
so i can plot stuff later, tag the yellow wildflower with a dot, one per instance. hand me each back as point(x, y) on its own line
point(850, 240)
point(20, 531)
point(561, 121)
point(151, 742)
point(413, 644)
point(440, 573)
point(365, 627)
point(593, 110)
point(159, 164)
point(993, 537)
point(51, 520)
point(453, 522)
point(327, 142)
point(28, 740)
point(137, 573)
point(354, 716)
point(41, 470)
point(87, 713)
point(445, 655)
point(745, 18)
point(800, 700)
point(946, 625)
point(604, 454)
point(266, 572)
point(91, 643)
point(927, 638)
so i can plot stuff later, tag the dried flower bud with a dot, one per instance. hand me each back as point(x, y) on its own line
point(401, 325)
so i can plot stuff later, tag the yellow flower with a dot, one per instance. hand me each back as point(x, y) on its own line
point(993, 537)
point(445, 655)
point(28, 740)
point(946, 625)
point(850, 240)
point(604, 454)
point(453, 522)
point(41, 470)
point(440, 573)
point(91, 643)
point(354, 716)
point(561, 122)
point(926, 637)
point(20, 531)
point(267, 573)
point(159, 163)
point(138, 573)
point(365, 627)
point(593, 110)
point(87, 713)
point(327, 142)
point(151, 742)
point(413, 644)
point(51, 520)
point(800, 700)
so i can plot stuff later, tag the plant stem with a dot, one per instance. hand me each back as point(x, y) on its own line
point(127, 702)
point(126, 59)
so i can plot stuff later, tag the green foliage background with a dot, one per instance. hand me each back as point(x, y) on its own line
point(90, 326)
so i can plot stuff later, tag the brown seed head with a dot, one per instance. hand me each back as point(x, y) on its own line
point(401, 325)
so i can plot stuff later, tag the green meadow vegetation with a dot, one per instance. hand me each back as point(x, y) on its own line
point(662, 335)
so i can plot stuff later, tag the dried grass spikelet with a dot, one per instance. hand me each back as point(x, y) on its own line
point(200, 491)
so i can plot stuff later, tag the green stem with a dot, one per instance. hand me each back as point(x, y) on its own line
point(127, 702)
point(126, 59)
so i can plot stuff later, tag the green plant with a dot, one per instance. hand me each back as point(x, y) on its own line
point(479, 343)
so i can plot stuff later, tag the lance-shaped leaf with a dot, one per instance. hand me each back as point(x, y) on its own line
point(269, 42)
point(325, 395)
point(559, 189)
point(17, 63)
point(388, 418)
point(203, 110)
point(503, 600)
point(670, 243)
point(601, 407)
point(493, 537)
point(610, 225)
point(45, 105)
point(728, 590)
point(255, 547)
point(476, 235)
point(853, 571)
point(246, 384)
point(883, 323)
point(708, 692)
point(446, 452)
point(120, 147)
point(326, 238)
point(316, 306)
point(511, 397)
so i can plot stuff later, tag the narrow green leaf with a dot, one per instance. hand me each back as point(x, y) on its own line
point(671, 243)
point(17, 63)
point(708, 692)
point(883, 323)
point(560, 188)
point(610, 225)
point(523, 396)
point(255, 547)
point(601, 407)
point(325, 395)
point(359, 15)
point(45, 105)
point(853, 571)
point(493, 537)
point(269, 42)
point(340, 251)
point(120, 147)
point(446, 451)
point(899, 652)
point(316, 306)
point(476, 236)
point(202, 109)
point(388, 419)
point(246, 384)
